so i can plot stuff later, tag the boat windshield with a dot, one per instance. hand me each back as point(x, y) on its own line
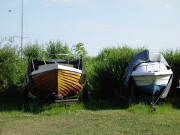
point(151, 67)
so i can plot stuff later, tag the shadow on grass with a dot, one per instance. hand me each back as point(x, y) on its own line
point(105, 104)
point(175, 102)
point(12, 100)
point(123, 104)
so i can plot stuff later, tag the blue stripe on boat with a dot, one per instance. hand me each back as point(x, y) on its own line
point(149, 88)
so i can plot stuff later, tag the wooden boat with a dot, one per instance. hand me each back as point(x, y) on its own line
point(62, 78)
point(151, 77)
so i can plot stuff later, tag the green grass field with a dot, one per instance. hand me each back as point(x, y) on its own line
point(93, 117)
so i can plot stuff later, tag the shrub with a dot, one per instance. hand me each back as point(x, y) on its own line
point(33, 50)
point(173, 58)
point(13, 68)
point(57, 48)
point(79, 50)
point(106, 72)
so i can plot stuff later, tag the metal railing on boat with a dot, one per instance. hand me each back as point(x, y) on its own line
point(55, 59)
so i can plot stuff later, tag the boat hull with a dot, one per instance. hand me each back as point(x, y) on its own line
point(151, 89)
point(151, 83)
point(60, 82)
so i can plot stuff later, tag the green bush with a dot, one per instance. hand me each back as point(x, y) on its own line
point(79, 50)
point(12, 67)
point(57, 48)
point(33, 50)
point(106, 72)
point(173, 59)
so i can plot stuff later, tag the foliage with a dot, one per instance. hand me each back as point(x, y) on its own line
point(106, 72)
point(172, 57)
point(79, 50)
point(12, 66)
point(33, 50)
point(57, 48)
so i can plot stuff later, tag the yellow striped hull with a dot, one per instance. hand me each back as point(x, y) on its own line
point(60, 82)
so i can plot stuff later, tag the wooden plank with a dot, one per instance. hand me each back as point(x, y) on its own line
point(70, 87)
point(45, 84)
point(69, 78)
point(69, 72)
point(48, 77)
point(44, 74)
point(70, 82)
point(62, 87)
point(63, 93)
point(70, 75)
point(48, 88)
point(44, 77)
point(67, 86)
point(68, 90)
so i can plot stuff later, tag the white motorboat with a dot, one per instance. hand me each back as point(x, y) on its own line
point(148, 77)
point(151, 77)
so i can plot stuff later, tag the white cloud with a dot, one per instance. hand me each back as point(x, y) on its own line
point(169, 6)
point(60, 1)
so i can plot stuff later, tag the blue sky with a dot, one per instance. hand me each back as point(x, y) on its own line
point(154, 24)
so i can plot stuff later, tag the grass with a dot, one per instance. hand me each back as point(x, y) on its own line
point(93, 117)
point(91, 122)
